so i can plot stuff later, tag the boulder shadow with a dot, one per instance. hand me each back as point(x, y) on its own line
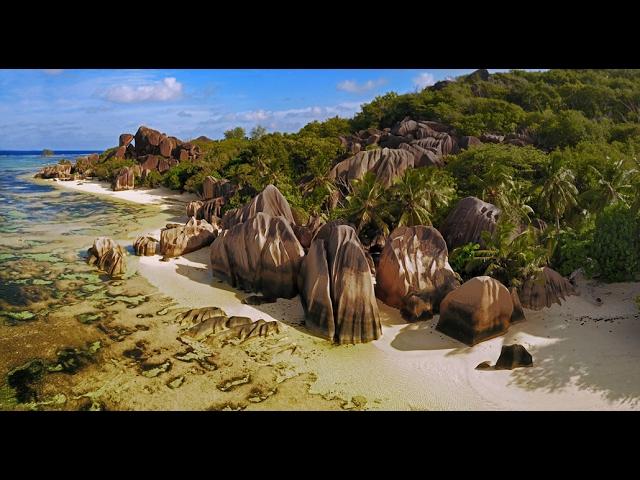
point(423, 336)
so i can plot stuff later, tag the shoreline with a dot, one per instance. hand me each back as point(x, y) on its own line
point(585, 356)
point(159, 196)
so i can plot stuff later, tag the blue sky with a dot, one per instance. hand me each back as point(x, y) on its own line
point(89, 109)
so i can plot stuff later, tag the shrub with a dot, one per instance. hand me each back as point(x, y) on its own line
point(616, 243)
point(107, 170)
point(177, 175)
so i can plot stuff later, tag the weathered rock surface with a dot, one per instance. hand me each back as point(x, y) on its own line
point(336, 288)
point(513, 356)
point(125, 139)
point(108, 256)
point(124, 179)
point(269, 201)
point(145, 246)
point(262, 254)
point(181, 239)
point(387, 164)
point(466, 222)
point(546, 288)
point(415, 260)
point(216, 188)
point(209, 210)
point(479, 309)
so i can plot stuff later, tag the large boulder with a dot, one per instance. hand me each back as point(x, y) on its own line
point(544, 289)
point(176, 240)
point(469, 141)
point(108, 256)
point(336, 288)
point(466, 222)
point(149, 162)
point(479, 309)
point(387, 164)
point(262, 254)
point(215, 188)
point(124, 179)
point(147, 141)
point(415, 260)
point(269, 201)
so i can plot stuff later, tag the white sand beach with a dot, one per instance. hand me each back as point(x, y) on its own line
point(151, 196)
point(585, 355)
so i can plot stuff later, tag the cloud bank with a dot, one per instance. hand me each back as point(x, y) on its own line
point(166, 90)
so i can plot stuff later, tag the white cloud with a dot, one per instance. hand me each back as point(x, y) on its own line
point(423, 80)
point(352, 86)
point(53, 71)
point(168, 89)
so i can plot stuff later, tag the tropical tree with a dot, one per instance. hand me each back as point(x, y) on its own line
point(257, 132)
point(419, 194)
point(613, 185)
point(508, 256)
point(365, 205)
point(559, 192)
point(237, 132)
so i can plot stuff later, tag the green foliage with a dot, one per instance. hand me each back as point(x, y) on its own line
point(176, 177)
point(153, 179)
point(330, 128)
point(419, 195)
point(616, 244)
point(563, 129)
point(508, 256)
point(237, 133)
point(257, 132)
point(366, 206)
point(108, 169)
point(559, 192)
point(573, 251)
point(461, 256)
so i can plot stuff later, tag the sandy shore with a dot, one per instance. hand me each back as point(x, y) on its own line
point(160, 196)
point(586, 356)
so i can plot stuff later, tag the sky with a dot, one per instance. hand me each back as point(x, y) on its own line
point(88, 109)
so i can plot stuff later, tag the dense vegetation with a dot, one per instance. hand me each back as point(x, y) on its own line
point(579, 177)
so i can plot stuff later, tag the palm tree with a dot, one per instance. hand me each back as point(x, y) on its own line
point(419, 193)
point(509, 256)
point(614, 185)
point(559, 192)
point(365, 204)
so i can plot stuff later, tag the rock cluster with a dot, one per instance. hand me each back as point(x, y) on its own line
point(61, 171)
point(108, 256)
point(124, 179)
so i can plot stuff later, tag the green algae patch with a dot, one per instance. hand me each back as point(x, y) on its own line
point(43, 257)
point(39, 281)
point(7, 256)
point(88, 277)
point(176, 382)
point(151, 370)
point(70, 360)
point(91, 288)
point(88, 318)
point(23, 379)
point(13, 317)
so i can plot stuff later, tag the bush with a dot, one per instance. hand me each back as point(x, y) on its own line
point(176, 177)
point(573, 251)
point(152, 180)
point(107, 170)
point(615, 244)
point(461, 256)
